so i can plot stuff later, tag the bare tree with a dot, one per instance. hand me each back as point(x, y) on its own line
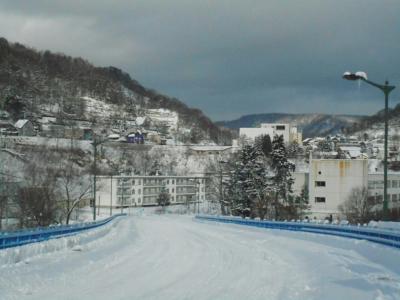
point(358, 207)
point(163, 199)
point(75, 185)
point(262, 203)
point(217, 169)
point(37, 198)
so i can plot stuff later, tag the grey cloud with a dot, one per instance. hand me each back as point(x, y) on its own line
point(227, 57)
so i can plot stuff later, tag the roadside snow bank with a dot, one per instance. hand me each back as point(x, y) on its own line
point(75, 242)
point(385, 225)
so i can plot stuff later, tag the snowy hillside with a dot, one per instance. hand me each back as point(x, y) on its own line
point(33, 84)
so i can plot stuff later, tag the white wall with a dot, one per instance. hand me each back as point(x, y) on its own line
point(340, 177)
point(275, 127)
point(252, 133)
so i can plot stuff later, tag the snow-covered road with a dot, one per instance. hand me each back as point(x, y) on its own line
point(175, 257)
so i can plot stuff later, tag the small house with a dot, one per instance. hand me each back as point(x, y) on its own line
point(25, 127)
point(135, 138)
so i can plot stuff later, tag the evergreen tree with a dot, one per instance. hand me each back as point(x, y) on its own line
point(264, 144)
point(241, 182)
point(248, 185)
point(282, 179)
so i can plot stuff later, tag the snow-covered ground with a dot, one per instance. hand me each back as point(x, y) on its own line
point(174, 257)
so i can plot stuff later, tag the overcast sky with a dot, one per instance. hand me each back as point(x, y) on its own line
point(228, 58)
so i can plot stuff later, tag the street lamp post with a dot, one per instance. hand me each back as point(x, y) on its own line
point(386, 89)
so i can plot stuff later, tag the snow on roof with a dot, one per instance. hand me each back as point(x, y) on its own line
point(114, 136)
point(140, 120)
point(352, 150)
point(21, 123)
point(210, 148)
point(4, 114)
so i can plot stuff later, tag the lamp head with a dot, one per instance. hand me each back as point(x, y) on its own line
point(355, 76)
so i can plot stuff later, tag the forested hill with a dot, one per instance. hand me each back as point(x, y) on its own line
point(377, 120)
point(310, 124)
point(35, 80)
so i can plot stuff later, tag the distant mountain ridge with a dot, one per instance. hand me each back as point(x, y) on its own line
point(313, 124)
point(377, 120)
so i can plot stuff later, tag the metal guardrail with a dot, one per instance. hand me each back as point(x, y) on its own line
point(39, 234)
point(385, 237)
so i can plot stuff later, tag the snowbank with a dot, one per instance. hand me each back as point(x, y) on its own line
point(75, 242)
point(385, 225)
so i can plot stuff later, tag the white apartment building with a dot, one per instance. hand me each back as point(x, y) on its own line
point(375, 188)
point(289, 132)
point(331, 181)
point(117, 191)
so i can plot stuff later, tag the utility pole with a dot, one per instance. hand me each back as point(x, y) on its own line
point(111, 197)
point(94, 178)
point(95, 143)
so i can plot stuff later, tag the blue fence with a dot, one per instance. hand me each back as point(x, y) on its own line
point(384, 237)
point(34, 235)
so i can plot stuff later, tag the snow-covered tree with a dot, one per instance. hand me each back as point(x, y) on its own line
point(264, 144)
point(248, 187)
point(282, 168)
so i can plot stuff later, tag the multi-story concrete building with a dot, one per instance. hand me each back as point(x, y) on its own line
point(117, 191)
point(375, 188)
point(332, 180)
point(289, 132)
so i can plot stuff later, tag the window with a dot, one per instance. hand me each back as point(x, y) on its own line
point(133, 192)
point(320, 200)
point(139, 191)
point(394, 183)
point(320, 183)
point(168, 181)
point(394, 198)
point(371, 185)
point(173, 189)
point(280, 127)
point(133, 181)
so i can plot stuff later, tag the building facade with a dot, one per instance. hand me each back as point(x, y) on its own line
point(375, 188)
point(331, 181)
point(117, 191)
point(289, 132)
